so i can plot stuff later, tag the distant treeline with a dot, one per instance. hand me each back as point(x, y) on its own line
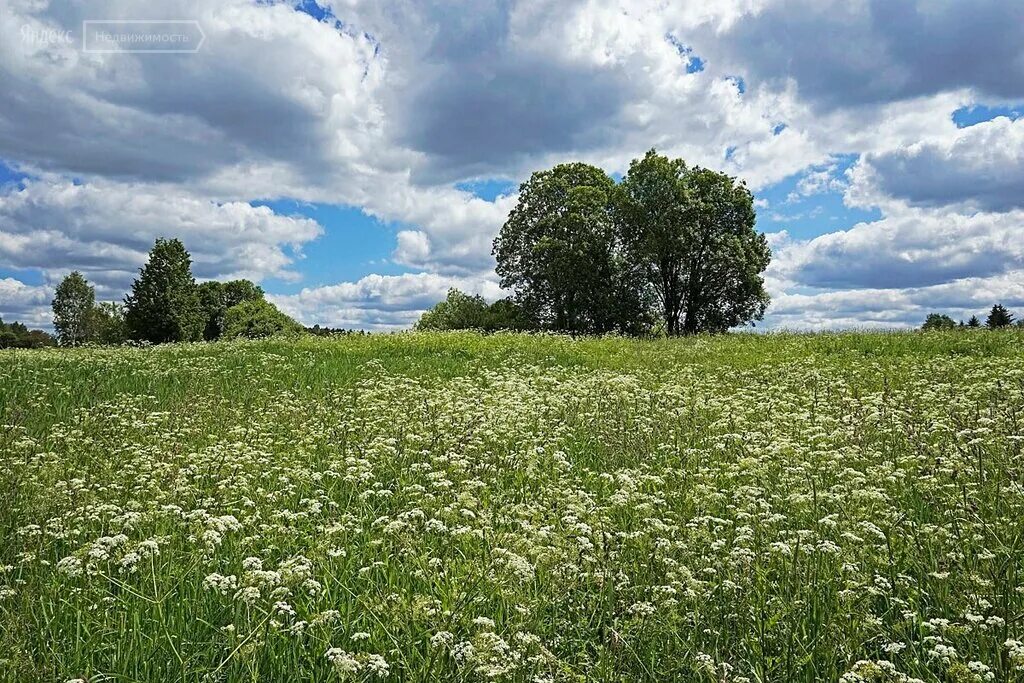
point(998, 318)
point(15, 335)
point(166, 305)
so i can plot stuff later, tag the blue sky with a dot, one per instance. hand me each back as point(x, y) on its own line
point(357, 158)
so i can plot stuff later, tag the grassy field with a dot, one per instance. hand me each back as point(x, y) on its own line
point(453, 507)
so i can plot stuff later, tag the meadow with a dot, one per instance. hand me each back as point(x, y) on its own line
point(455, 507)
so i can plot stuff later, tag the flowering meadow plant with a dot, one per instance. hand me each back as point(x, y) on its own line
point(455, 507)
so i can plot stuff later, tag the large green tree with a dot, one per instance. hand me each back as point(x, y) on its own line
point(256, 318)
point(560, 254)
point(163, 305)
point(215, 298)
point(72, 306)
point(938, 321)
point(690, 231)
point(998, 317)
point(461, 311)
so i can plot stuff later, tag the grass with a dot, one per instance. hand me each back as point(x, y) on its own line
point(427, 507)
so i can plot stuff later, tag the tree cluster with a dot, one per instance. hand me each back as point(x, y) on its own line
point(670, 246)
point(461, 311)
point(998, 318)
point(15, 335)
point(166, 305)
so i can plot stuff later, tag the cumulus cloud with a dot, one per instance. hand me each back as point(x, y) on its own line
point(24, 303)
point(390, 105)
point(980, 167)
point(870, 52)
point(911, 248)
point(380, 302)
point(887, 308)
point(106, 230)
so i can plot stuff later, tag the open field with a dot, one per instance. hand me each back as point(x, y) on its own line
point(455, 508)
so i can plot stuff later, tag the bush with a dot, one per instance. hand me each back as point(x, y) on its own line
point(257, 318)
point(461, 311)
point(938, 321)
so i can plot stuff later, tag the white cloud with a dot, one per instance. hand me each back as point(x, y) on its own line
point(980, 167)
point(106, 229)
point(909, 248)
point(379, 301)
point(888, 308)
point(386, 110)
point(24, 303)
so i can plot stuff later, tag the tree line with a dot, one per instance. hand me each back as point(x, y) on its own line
point(669, 248)
point(165, 304)
point(998, 318)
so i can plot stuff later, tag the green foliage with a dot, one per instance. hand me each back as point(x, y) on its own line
point(216, 298)
point(672, 242)
point(506, 314)
point(974, 322)
point(257, 318)
point(998, 318)
point(559, 252)
point(164, 302)
point(107, 324)
point(72, 306)
point(17, 336)
point(690, 232)
point(461, 311)
point(938, 321)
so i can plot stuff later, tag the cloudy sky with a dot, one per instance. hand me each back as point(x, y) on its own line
point(357, 157)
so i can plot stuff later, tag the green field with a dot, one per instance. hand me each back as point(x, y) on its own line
point(451, 507)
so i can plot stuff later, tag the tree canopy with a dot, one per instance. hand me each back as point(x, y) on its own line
point(998, 318)
point(560, 252)
point(215, 298)
point(691, 233)
point(938, 321)
point(72, 305)
point(582, 254)
point(461, 311)
point(163, 305)
point(256, 318)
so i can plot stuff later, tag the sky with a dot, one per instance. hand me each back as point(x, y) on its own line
point(357, 157)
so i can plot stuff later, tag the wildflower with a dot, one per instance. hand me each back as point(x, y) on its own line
point(343, 662)
point(282, 607)
point(376, 665)
point(70, 566)
point(442, 640)
point(221, 584)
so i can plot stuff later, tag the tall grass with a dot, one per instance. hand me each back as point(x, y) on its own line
point(426, 507)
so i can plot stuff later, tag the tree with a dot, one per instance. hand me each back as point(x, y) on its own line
point(690, 232)
point(560, 254)
point(18, 336)
point(506, 314)
point(458, 311)
point(974, 322)
point(72, 305)
point(938, 321)
point(998, 318)
point(107, 325)
point(164, 303)
point(215, 298)
point(461, 311)
point(257, 318)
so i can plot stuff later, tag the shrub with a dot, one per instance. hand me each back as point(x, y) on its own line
point(257, 318)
